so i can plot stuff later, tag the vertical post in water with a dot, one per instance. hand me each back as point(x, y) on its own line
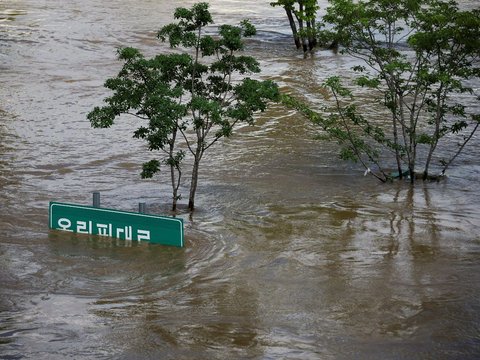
point(96, 199)
point(142, 208)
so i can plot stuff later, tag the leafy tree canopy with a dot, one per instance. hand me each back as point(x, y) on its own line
point(187, 101)
point(417, 58)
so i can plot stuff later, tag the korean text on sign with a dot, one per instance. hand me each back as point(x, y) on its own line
point(93, 228)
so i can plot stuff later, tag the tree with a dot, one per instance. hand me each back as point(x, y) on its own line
point(186, 102)
point(418, 60)
point(303, 13)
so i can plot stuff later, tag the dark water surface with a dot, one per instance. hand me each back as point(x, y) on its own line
point(290, 255)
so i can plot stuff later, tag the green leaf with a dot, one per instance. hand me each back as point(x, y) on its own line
point(150, 168)
point(248, 29)
point(365, 81)
point(424, 139)
point(102, 117)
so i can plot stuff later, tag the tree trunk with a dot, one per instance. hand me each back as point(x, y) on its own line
point(193, 184)
point(429, 159)
point(436, 136)
point(175, 188)
point(176, 185)
point(172, 171)
point(312, 36)
point(413, 158)
point(395, 140)
point(312, 41)
point(300, 26)
point(407, 135)
point(293, 26)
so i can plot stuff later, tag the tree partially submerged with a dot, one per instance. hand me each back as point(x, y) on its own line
point(186, 102)
point(419, 59)
point(301, 17)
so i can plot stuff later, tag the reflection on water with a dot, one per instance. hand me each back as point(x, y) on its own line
point(290, 255)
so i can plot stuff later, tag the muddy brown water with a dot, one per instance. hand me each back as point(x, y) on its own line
point(290, 254)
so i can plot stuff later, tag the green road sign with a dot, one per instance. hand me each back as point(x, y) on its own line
point(117, 224)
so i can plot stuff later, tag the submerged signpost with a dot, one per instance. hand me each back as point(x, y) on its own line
point(116, 224)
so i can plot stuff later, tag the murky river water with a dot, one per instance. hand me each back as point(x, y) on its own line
point(290, 255)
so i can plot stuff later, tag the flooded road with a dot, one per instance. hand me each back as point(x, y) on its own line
point(290, 254)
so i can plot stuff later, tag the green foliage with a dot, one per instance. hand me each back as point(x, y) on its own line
point(150, 168)
point(417, 58)
point(191, 20)
point(197, 96)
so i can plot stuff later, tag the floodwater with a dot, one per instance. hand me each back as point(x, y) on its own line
point(290, 253)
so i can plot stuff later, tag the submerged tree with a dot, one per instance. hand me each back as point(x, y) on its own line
point(419, 59)
point(301, 16)
point(187, 102)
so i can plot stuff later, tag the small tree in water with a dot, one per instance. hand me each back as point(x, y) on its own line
point(186, 105)
point(420, 60)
